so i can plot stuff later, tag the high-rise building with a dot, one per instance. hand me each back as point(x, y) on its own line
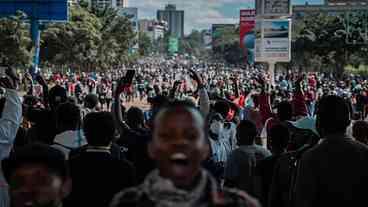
point(174, 18)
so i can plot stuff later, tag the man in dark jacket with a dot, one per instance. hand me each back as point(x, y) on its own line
point(96, 174)
point(335, 172)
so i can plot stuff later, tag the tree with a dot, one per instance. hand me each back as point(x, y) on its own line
point(117, 35)
point(92, 39)
point(322, 37)
point(145, 44)
point(228, 47)
point(15, 42)
point(75, 43)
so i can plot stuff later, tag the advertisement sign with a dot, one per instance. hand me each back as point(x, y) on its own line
point(273, 41)
point(207, 39)
point(274, 8)
point(247, 35)
point(45, 11)
point(173, 45)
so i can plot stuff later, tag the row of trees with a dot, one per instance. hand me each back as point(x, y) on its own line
point(320, 42)
point(92, 39)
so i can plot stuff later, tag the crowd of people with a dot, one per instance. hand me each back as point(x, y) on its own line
point(208, 135)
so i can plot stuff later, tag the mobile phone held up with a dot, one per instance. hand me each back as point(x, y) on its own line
point(128, 80)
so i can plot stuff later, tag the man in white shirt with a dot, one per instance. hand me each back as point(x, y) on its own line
point(68, 118)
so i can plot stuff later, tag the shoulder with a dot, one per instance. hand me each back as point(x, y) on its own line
point(234, 197)
point(128, 197)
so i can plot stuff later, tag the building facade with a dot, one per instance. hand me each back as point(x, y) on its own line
point(109, 3)
point(153, 28)
point(174, 19)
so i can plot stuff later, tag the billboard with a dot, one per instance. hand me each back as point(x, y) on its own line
point(247, 36)
point(173, 45)
point(132, 14)
point(46, 10)
point(273, 40)
point(207, 39)
point(219, 33)
point(273, 8)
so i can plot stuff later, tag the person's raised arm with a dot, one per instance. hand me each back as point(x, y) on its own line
point(236, 87)
point(264, 102)
point(122, 126)
point(11, 113)
point(45, 88)
point(29, 83)
point(299, 103)
point(204, 100)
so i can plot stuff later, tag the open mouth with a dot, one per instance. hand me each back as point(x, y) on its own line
point(179, 159)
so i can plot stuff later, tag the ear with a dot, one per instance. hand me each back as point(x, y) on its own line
point(66, 188)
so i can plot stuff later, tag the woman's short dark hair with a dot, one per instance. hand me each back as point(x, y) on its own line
point(135, 117)
point(99, 128)
point(246, 133)
point(68, 114)
point(37, 154)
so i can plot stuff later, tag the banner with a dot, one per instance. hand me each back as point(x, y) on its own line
point(247, 36)
point(173, 45)
point(273, 41)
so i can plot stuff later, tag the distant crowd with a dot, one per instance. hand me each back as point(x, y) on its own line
point(206, 135)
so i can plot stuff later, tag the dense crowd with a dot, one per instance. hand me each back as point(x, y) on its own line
point(168, 133)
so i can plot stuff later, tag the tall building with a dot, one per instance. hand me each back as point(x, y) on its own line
point(174, 18)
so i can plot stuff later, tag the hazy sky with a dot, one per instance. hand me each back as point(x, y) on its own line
point(200, 14)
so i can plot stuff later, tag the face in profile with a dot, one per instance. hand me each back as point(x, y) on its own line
point(179, 145)
point(35, 186)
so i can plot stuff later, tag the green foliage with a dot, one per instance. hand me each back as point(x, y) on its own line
point(75, 43)
point(320, 41)
point(92, 39)
point(15, 42)
point(228, 47)
point(145, 44)
point(96, 39)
